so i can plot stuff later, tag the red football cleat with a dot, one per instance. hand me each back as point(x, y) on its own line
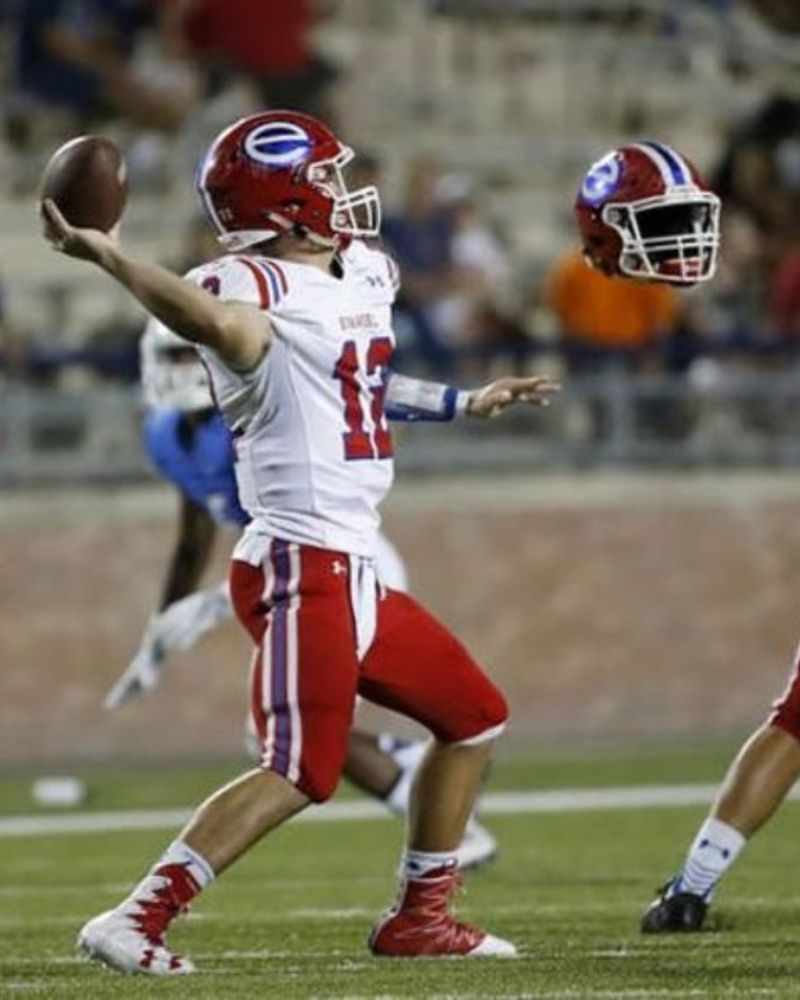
point(420, 924)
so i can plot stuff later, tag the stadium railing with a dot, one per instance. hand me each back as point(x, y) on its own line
point(738, 419)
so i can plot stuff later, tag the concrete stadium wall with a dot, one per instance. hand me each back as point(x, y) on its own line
point(612, 608)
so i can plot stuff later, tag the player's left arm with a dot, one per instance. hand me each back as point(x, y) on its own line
point(413, 399)
point(196, 533)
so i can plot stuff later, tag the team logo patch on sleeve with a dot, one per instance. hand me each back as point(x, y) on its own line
point(278, 144)
point(602, 179)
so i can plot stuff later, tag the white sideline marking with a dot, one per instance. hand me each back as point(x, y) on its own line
point(494, 803)
point(361, 913)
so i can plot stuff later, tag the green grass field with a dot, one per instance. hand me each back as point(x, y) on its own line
point(291, 919)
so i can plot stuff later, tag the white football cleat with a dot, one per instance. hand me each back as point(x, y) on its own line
point(131, 936)
point(477, 848)
point(115, 939)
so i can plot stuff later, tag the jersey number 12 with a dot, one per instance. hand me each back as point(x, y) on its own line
point(358, 442)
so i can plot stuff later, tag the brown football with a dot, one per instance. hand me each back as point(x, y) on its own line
point(87, 179)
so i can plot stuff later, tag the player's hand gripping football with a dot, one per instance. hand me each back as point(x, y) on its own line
point(492, 399)
point(85, 244)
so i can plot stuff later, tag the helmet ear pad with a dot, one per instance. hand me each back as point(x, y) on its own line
point(602, 245)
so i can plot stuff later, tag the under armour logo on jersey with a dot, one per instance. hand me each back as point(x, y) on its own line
point(602, 179)
point(278, 144)
point(338, 567)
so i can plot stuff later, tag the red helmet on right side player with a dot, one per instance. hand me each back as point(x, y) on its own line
point(645, 212)
point(270, 173)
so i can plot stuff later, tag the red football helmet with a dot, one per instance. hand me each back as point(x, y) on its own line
point(645, 212)
point(268, 173)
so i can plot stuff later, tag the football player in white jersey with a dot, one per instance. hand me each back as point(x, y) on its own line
point(188, 442)
point(294, 325)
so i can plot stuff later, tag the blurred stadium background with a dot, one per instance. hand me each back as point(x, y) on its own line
point(624, 563)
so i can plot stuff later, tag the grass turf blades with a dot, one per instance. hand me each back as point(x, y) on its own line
point(291, 919)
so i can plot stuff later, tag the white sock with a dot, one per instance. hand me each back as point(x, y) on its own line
point(179, 853)
point(417, 864)
point(715, 848)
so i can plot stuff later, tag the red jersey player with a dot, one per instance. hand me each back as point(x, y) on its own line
point(294, 325)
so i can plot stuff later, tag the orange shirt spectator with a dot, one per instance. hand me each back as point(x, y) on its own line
point(613, 313)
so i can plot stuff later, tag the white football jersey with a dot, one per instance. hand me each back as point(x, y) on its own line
point(314, 452)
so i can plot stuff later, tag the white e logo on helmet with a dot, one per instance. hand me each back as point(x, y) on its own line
point(602, 179)
point(278, 144)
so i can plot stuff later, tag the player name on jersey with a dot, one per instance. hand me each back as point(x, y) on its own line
point(359, 322)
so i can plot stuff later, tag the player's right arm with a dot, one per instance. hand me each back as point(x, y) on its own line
point(238, 332)
point(196, 533)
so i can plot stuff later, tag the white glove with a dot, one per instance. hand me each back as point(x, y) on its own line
point(176, 628)
point(180, 625)
point(144, 671)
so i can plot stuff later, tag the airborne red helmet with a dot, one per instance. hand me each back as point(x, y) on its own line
point(272, 172)
point(645, 212)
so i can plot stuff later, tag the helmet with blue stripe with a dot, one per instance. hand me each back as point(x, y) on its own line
point(278, 172)
point(645, 212)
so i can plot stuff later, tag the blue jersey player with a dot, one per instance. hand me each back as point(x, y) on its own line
point(187, 441)
point(194, 452)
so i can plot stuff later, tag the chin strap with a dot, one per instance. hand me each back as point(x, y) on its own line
point(241, 239)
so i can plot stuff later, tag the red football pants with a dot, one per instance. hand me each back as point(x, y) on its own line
point(786, 710)
point(298, 608)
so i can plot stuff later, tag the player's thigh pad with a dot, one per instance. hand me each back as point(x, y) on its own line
point(786, 710)
point(296, 606)
point(417, 667)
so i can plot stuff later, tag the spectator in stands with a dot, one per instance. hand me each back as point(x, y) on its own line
point(13, 346)
point(477, 317)
point(269, 43)
point(474, 247)
point(759, 174)
point(723, 340)
point(200, 244)
point(419, 236)
point(606, 321)
point(726, 315)
point(784, 284)
point(784, 299)
point(76, 55)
